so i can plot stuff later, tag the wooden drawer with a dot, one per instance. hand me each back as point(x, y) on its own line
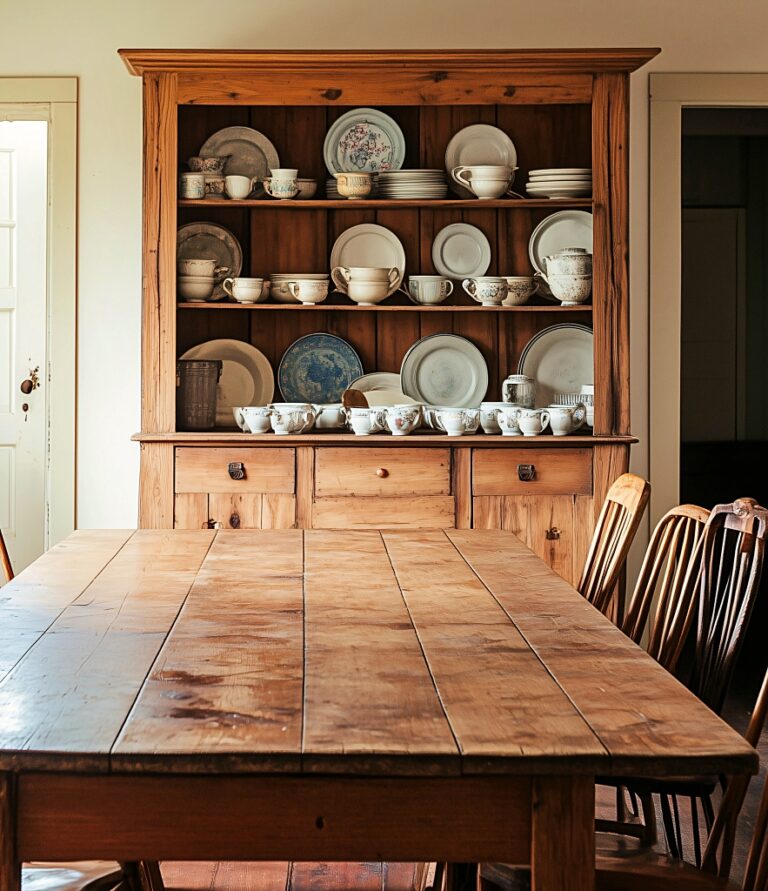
point(558, 471)
point(270, 470)
point(392, 471)
point(351, 512)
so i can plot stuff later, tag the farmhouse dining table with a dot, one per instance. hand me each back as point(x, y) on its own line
point(323, 695)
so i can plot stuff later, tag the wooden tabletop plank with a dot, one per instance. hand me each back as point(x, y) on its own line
point(370, 703)
point(649, 723)
point(226, 690)
point(31, 602)
point(66, 700)
point(502, 703)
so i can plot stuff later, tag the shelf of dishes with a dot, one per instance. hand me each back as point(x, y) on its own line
point(353, 307)
point(389, 204)
point(221, 379)
point(364, 151)
point(367, 264)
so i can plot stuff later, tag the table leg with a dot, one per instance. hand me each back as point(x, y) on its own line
point(10, 868)
point(563, 834)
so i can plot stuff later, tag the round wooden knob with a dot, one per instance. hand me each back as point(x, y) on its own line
point(382, 472)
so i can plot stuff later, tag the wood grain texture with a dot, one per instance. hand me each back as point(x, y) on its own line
point(229, 679)
point(98, 650)
point(158, 400)
point(610, 298)
point(156, 486)
point(462, 487)
point(206, 470)
point(305, 481)
point(361, 654)
point(562, 834)
point(310, 818)
point(565, 472)
point(641, 714)
point(452, 612)
point(190, 511)
point(10, 867)
point(373, 471)
point(37, 596)
point(422, 512)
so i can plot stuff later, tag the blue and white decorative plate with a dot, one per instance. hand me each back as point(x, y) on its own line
point(317, 368)
point(364, 140)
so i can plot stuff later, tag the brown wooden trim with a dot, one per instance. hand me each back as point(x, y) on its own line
point(610, 163)
point(462, 487)
point(305, 486)
point(10, 867)
point(197, 818)
point(235, 437)
point(158, 398)
point(563, 834)
point(156, 486)
point(139, 61)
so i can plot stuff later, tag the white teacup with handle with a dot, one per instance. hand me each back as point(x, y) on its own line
point(485, 181)
point(565, 419)
point(428, 290)
point(240, 187)
point(532, 421)
point(244, 290)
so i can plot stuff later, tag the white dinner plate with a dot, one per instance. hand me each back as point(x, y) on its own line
point(246, 377)
point(364, 140)
point(560, 359)
point(478, 144)
point(369, 245)
point(460, 251)
point(561, 178)
point(557, 171)
point(559, 190)
point(250, 153)
point(209, 241)
point(382, 388)
point(445, 369)
point(564, 229)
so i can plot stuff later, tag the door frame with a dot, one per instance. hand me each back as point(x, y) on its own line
point(669, 94)
point(54, 99)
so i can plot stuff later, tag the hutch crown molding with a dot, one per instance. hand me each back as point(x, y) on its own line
point(560, 107)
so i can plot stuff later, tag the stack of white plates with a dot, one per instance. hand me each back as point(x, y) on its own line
point(331, 189)
point(560, 182)
point(413, 184)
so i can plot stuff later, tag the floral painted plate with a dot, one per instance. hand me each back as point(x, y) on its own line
point(364, 140)
point(317, 368)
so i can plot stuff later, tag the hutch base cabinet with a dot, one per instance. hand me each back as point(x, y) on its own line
point(562, 108)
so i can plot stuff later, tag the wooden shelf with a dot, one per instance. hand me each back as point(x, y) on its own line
point(423, 438)
point(392, 204)
point(351, 307)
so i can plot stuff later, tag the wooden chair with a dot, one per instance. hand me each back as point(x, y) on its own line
point(5, 559)
point(614, 533)
point(725, 587)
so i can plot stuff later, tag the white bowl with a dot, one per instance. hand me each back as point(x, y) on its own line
point(195, 291)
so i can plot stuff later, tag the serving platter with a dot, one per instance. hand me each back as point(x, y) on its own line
point(369, 244)
point(318, 368)
point(445, 369)
point(560, 359)
point(250, 153)
point(210, 241)
point(461, 250)
point(364, 140)
point(246, 375)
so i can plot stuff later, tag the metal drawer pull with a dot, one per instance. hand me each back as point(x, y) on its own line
point(553, 534)
point(382, 472)
point(526, 473)
point(236, 470)
point(234, 520)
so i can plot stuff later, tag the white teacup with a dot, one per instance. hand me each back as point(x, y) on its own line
point(239, 187)
point(520, 289)
point(237, 413)
point(486, 181)
point(507, 417)
point(490, 290)
point(344, 275)
point(488, 420)
point(429, 290)
point(402, 419)
point(365, 421)
point(200, 266)
point(330, 417)
point(292, 417)
point(532, 421)
point(570, 290)
point(257, 418)
point(283, 182)
point(244, 290)
point(457, 421)
point(192, 185)
point(564, 419)
point(309, 291)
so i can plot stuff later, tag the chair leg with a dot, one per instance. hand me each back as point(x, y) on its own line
point(143, 875)
point(650, 836)
point(678, 825)
point(709, 811)
point(696, 834)
point(669, 828)
point(437, 882)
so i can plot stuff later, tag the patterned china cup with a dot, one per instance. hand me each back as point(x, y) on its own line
point(428, 290)
point(213, 164)
point(283, 183)
point(488, 420)
point(402, 419)
point(354, 186)
point(215, 183)
point(256, 418)
point(330, 417)
point(489, 290)
point(570, 290)
point(569, 261)
point(200, 266)
point(309, 291)
point(365, 421)
point(192, 185)
point(507, 417)
point(532, 421)
point(520, 289)
point(457, 421)
point(292, 417)
point(564, 419)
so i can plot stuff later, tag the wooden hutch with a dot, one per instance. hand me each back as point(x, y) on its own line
point(561, 108)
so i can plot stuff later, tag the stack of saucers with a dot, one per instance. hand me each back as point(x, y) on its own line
point(413, 184)
point(560, 182)
point(331, 189)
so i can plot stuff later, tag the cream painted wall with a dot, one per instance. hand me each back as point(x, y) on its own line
point(56, 37)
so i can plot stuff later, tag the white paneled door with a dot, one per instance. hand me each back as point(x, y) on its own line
point(23, 336)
